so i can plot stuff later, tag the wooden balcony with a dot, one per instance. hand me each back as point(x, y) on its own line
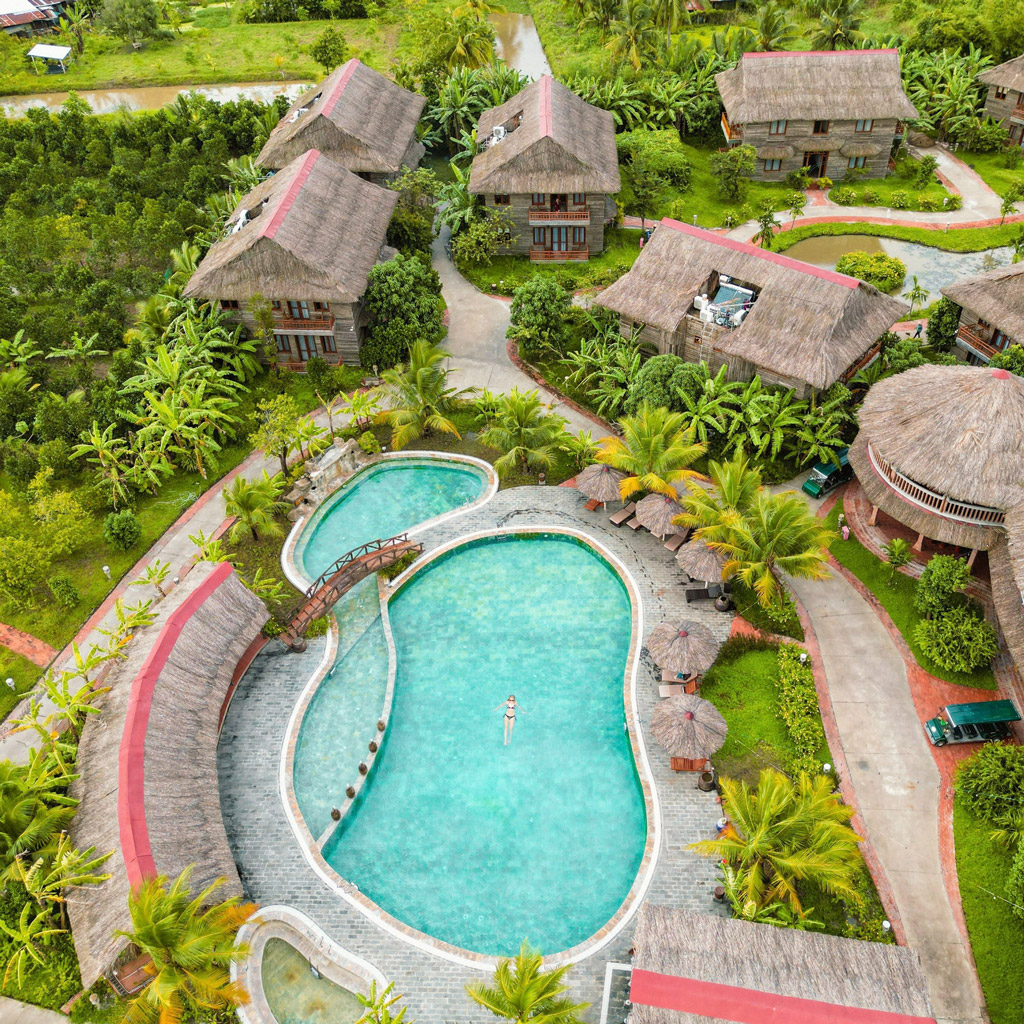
point(939, 504)
point(540, 254)
point(314, 322)
point(1017, 114)
point(975, 340)
point(732, 133)
point(538, 215)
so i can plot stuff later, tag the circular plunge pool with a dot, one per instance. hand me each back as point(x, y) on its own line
point(470, 841)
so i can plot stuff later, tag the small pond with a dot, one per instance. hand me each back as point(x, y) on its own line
point(152, 97)
point(935, 268)
point(296, 996)
point(516, 42)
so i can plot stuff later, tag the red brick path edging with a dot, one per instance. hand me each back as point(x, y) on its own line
point(512, 348)
point(740, 627)
point(27, 645)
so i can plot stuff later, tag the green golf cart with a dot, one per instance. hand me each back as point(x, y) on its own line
point(972, 723)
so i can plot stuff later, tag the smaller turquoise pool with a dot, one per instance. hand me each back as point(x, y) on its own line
point(389, 497)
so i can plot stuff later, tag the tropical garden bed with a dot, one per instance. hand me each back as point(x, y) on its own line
point(898, 601)
point(900, 190)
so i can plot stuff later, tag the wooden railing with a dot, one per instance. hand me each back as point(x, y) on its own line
point(541, 216)
point(940, 504)
point(1018, 112)
point(731, 133)
point(976, 341)
point(540, 255)
point(313, 322)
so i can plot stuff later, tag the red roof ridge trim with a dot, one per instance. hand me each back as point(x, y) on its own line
point(748, 1005)
point(131, 757)
point(815, 53)
point(269, 229)
point(546, 119)
point(765, 254)
point(339, 87)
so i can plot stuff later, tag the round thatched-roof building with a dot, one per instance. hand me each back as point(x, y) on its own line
point(940, 450)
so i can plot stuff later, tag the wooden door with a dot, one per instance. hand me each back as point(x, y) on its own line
point(559, 239)
point(307, 346)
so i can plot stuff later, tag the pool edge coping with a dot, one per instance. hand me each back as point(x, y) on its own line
point(348, 891)
point(302, 933)
point(289, 565)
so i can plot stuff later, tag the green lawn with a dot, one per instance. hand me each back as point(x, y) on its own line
point(22, 671)
point(785, 622)
point(506, 273)
point(992, 168)
point(898, 601)
point(900, 181)
point(997, 935)
point(953, 240)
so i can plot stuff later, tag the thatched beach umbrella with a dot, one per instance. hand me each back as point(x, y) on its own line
point(656, 512)
point(688, 726)
point(600, 483)
point(683, 647)
point(700, 562)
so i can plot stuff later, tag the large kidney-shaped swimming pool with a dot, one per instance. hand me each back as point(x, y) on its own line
point(463, 838)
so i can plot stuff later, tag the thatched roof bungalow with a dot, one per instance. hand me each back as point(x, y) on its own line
point(709, 298)
point(1005, 98)
point(828, 111)
point(148, 761)
point(548, 163)
point(358, 117)
point(991, 312)
point(305, 239)
point(691, 968)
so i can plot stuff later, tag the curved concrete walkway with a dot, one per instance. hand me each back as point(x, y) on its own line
point(896, 782)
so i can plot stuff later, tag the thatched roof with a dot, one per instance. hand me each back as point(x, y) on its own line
point(957, 430)
point(357, 116)
point(688, 726)
point(600, 482)
point(1006, 572)
point(762, 959)
point(997, 296)
point(656, 513)
point(559, 144)
point(1009, 74)
point(684, 647)
point(814, 85)
point(148, 761)
point(312, 231)
point(807, 323)
point(700, 562)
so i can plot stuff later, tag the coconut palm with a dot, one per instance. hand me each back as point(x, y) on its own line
point(526, 431)
point(632, 35)
point(581, 448)
point(184, 261)
point(734, 488)
point(782, 833)
point(255, 504)
point(917, 295)
point(839, 28)
point(599, 14)
point(521, 991)
point(418, 395)
point(655, 449)
point(670, 15)
point(778, 532)
point(191, 949)
point(465, 41)
point(772, 29)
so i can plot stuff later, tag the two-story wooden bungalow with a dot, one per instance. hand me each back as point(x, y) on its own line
point(991, 312)
point(828, 112)
point(304, 240)
point(358, 118)
point(548, 159)
point(707, 298)
point(1005, 99)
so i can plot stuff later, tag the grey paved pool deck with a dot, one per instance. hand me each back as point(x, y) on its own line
point(273, 870)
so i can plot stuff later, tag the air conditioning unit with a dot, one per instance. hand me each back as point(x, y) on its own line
point(498, 134)
point(724, 278)
point(700, 302)
point(243, 218)
point(707, 315)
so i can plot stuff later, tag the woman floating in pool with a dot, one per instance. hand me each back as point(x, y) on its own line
point(511, 707)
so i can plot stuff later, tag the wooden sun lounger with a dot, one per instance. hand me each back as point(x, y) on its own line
point(634, 523)
point(621, 516)
point(696, 594)
point(671, 690)
point(688, 684)
point(676, 541)
point(591, 506)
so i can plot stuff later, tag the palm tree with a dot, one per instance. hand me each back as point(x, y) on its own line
point(632, 32)
point(191, 949)
point(897, 554)
point(840, 26)
point(581, 448)
point(772, 29)
point(527, 434)
point(785, 832)
point(465, 41)
point(363, 406)
point(47, 879)
point(735, 487)
point(778, 532)
point(419, 397)
point(655, 449)
point(599, 14)
point(255, 504)
point(521, 991)
point(669, 15)
point(184, 261)
point(918, 294)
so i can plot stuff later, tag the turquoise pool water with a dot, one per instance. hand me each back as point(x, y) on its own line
point(388, 498)
point(296, 996)
point(480, 844)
